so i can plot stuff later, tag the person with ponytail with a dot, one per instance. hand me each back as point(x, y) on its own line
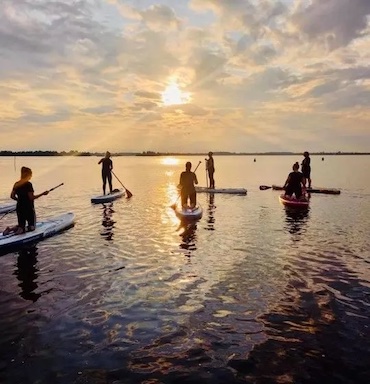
point(23, 194)
point(295, 182)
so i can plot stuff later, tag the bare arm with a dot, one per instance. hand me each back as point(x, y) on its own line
point(180, 183)
point(286, 182)
point(32, 196)
point(100, 161)
point(12, 195)
point(303, 182)
point(195, 179)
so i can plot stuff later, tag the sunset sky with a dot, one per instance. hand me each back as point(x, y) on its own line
point(185, 75)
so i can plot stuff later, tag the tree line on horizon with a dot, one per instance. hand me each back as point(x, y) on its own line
point(153, 153)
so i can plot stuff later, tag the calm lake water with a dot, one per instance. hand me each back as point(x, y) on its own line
point(252, 293)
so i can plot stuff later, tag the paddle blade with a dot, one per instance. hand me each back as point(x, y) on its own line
point(129, 194)
point(264, 187)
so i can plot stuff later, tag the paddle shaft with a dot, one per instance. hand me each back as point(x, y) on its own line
point(49, 190)
point(129, 194)
point(197, 167)
point(52, 189)
point(7, 213)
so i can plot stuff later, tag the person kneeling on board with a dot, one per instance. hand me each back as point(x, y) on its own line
point(24, 195)
point(295, 183)
point(187, 181)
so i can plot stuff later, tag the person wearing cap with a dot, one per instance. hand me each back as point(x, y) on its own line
point(106, 171)
point(210, 166)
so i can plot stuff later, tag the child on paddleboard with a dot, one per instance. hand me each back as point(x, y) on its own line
point(23, 194)
point(295, 182)
point(187, 181)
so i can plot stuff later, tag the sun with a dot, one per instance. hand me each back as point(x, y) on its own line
point(173, 95)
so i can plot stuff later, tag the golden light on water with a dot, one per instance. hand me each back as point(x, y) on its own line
point(170, 161)
point(173, 95)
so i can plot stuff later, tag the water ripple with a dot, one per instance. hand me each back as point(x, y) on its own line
point(253, 292)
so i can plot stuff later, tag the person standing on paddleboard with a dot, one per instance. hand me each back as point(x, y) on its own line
point(306, 168)
point(295, 182)
point(187, 181)
point(106, 171)
point(24, 195)
point(210, 166)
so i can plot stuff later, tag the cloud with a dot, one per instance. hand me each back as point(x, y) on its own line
point(148, 95)
point(160, 15)
point(144, 105)
point(100, 110)
point(253, 69)
point(334, 22)
point(186, 109)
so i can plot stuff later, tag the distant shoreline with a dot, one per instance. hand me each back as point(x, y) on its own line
point(161, 154)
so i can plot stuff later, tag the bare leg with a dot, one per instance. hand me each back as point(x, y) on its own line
point(110, 182)
point(211, 180)
point(104, 183)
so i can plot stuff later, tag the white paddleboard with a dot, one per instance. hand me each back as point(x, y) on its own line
point(8, 207)
point(43, 229)
point(109, 197)
point(189, 213)
point(230, 191)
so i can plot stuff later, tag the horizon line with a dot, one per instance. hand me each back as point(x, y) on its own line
point(172, 153)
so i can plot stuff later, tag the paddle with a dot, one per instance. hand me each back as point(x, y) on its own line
point(129, 194)
point(52, 189)
point(275, 187)
point(7, 213)
point(173, 206)
point(49, 190)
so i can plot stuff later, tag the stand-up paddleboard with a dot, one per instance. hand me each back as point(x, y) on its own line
point(189, 213)
point(293, 202)
point(230, 191)
point(43, 229)
point(8, 207)
point(116, 194)
point(327, 191)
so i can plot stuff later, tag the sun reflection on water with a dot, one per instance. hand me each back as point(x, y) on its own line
point(170, 161)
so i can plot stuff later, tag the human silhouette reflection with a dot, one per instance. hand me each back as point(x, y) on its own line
point(108, 222)
point(296, 219)
point(188, 236)
point(27, 273)
point(210, 212)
